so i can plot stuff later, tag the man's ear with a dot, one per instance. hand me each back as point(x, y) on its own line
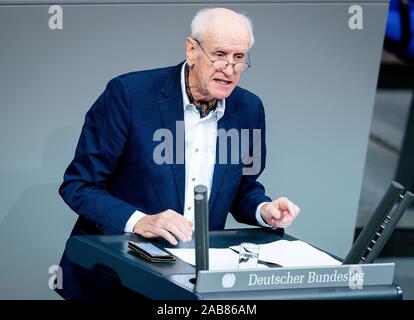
point(190, 51)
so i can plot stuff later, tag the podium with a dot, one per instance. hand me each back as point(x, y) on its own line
point(175, 281)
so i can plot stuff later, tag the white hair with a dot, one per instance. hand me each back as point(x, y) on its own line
point(200, 23)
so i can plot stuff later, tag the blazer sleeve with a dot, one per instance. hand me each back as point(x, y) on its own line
point(251, 193)
point(100, 146)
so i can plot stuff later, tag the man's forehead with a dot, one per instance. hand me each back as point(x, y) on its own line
point(227, 42)
point(227, 33)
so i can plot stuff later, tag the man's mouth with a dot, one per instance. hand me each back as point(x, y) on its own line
point(223, 82)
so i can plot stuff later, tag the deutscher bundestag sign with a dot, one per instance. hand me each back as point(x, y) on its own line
point(353, 276)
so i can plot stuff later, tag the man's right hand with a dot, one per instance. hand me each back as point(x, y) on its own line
point(167, 224)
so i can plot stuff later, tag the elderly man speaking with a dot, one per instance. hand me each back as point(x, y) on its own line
point(116, 181)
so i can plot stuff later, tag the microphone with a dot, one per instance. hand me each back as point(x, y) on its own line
point(201, 227)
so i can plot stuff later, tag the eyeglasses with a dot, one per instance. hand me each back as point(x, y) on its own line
point(221, 64)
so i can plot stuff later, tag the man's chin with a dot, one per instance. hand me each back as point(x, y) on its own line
point(220, 95)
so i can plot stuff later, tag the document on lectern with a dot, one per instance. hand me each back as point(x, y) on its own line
point(283, 252)
point(295, 254)
point(219, 259)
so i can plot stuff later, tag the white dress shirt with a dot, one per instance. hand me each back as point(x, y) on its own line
point(200, 155)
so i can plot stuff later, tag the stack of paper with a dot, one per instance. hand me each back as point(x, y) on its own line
point(219, 259)
point(295, 254)
point(283, 252)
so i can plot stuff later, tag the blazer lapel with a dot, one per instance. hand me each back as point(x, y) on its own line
point(227, 122)
point(171, 109)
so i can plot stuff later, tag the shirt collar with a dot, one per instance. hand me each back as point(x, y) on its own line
point(221, 104)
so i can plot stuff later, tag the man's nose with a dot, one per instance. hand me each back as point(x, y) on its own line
point(229, 69)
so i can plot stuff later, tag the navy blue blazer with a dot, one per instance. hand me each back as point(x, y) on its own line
point(113, 172)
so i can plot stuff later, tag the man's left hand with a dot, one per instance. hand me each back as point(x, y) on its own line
point(279, 213)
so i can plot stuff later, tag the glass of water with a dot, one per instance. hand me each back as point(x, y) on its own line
point(248, 255)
